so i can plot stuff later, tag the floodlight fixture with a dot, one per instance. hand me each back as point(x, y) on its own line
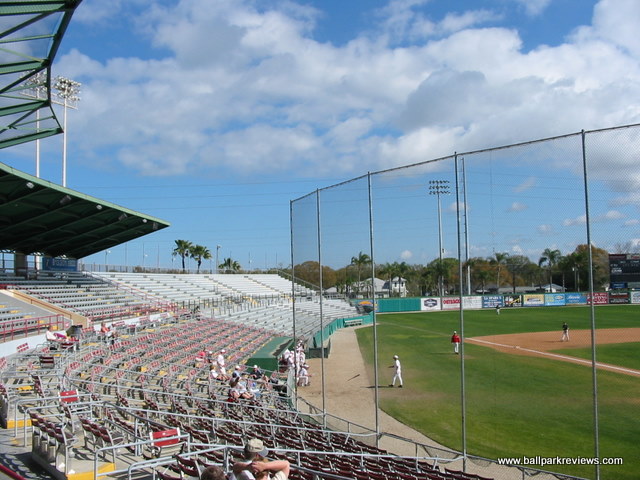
point(122, 216)
point(36, 87)
point(29, 185)
point(64, 200)
point(67, 91)
point(437, 188)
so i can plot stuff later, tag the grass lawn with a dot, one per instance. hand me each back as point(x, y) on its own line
point(621, 354)
point(515, 405)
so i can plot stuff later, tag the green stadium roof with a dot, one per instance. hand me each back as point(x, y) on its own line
point(39, 217)
point(30, 36)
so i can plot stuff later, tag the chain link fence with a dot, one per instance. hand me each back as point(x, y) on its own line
point(512, 225)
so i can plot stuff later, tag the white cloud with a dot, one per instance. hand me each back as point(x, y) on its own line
point(631, 222)
point(545, 229)
point(610, 215)
point(526, 185)
point(247, 89)
point(406, 255)
point(579, 220)
point(517, 207)
point(534, 7)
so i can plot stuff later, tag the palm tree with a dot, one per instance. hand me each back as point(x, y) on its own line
point(482, 276)
point(386, 271)
point(182, 249)
point(499, 260)
point(229, 265)
point(199, 253)
point(360, 261)
point(550, 258)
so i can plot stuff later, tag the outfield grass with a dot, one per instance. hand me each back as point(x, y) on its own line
point(515, 405)
point(620, 354)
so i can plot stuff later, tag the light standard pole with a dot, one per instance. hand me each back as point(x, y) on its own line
point(437, 188)
point(218, 247)
point(144, 255)
point(37, 88)
point(68, 91)
point(106, 253)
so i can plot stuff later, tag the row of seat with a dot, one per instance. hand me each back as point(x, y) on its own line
point(146, 382)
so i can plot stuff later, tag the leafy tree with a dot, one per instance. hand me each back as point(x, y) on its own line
point(359, 262)
point(445, 272)
point(550, 258)
point(482, 276)
point(517, 265)
point(182, 250)
point(309, 272)
point(389, 271)
point(199, 253)
point(499, 261)
point(230, 265)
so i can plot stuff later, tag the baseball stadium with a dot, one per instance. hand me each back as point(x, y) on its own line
point(511, 367)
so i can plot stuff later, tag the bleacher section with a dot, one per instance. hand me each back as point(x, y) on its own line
point(261, 300)
point(213, 289)
point(85, 295)
point(145, 407)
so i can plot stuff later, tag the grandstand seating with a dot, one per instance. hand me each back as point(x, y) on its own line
point(85, 295)
point(261, 300)
point(146, 404)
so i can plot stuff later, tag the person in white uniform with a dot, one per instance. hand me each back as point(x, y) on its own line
point(398, 371)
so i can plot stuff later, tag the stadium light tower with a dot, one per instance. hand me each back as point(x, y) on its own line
point(68, 91)
point(36, 87)
point(437, 188)
point(218, 247)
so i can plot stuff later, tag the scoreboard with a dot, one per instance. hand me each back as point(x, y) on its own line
point(624, 270)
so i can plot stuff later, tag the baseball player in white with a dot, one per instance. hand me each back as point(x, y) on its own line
point(398, 371)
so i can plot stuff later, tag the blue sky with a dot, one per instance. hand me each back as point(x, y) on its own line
point(213, 115)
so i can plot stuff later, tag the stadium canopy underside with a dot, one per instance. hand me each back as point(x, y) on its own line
point(30, 34)
point(39, 217)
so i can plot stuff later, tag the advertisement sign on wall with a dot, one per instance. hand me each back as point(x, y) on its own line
point(512, 300)
point(430, 303)
point(490, 301)
point(599, 298)
point(618, 297)
point(556, 299)
point(533, 300)
point(474, 302)
point(575, 298)
point(451, 303)
point(634, 297)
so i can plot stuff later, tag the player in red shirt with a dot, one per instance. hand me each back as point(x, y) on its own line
point(455, 339)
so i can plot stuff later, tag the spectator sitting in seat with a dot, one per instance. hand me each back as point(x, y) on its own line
point(237, 372)
point(243, 390)
point(276, 384)
point(255, 466)
point(212, 472)
point(217, 376)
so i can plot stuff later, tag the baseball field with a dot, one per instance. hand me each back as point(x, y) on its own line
point(527, 393)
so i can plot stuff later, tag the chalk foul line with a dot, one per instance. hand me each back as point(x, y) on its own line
point(567, 358)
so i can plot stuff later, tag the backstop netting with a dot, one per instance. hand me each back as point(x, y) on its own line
point(528, 228)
